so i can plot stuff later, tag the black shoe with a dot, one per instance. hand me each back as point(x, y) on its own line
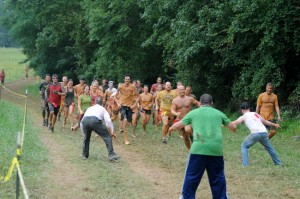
point(164, 141)
point(52, 129)
point(114, 157)
point(44, 122)
point(84, 158)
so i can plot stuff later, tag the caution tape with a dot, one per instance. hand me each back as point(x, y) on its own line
point(10, 170)
point(13, 91)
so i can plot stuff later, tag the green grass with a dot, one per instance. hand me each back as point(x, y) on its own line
point(33, 157)
point(10, 61)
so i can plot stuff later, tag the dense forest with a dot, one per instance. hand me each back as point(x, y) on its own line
point(229, 48)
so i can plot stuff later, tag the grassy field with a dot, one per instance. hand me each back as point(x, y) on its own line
point(10, 61)
point(261, 180)
point(33, 158)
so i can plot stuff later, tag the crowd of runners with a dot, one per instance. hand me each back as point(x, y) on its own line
point(87, 106)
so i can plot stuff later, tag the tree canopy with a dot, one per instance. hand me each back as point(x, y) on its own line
point(230, 49)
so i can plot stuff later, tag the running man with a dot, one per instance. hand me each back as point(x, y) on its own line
point(54, 92)
point(44, 104)
point(156, 117)
point(110, 100)
point(64, 85)
point(266, 103)
point(181, 105)
point(79, 88)
point(258, 133)
point(188, 92)
point(128, 99)
point(154, 86)
point(27, 72)
point(145, 104)
point(163, 103)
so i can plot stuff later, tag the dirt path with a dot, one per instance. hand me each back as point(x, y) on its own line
point(69, 181)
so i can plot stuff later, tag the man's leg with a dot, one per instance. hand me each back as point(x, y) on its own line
point(51, 115)
point(87, 136)
point(125, 124)
point(165, 128)
point(250, 140)
point(194, 172)
point(216, 176)
point(267, 144)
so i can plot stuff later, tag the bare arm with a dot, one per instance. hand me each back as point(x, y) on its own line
point(176, 126)
point(173, 109)
point(266, 122)
point(79, 105)
point(278, 113)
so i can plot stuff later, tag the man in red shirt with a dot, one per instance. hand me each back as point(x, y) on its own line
point(54, 92)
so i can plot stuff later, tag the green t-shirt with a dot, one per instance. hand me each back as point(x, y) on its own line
point(206, 122)
point(85, 102)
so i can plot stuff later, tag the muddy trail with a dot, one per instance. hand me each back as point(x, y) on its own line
point(68, 180)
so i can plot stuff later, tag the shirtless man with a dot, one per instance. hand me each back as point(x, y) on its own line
point(64, 85)
point(110, 100)
point(127, 101)
point(163, 103)
point(181, 105)
point(145, 104)
point(79, 88)
point(188, 92)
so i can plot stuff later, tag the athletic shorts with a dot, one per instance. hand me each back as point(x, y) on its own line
point(53, 109)
point(126, 113)
point(148, 112)
point(166, 113)
point(44, 105)
point(271, 127)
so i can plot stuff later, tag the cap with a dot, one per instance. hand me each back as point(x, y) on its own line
point(245, 105)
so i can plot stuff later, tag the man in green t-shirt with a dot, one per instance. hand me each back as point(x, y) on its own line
point(206, 152)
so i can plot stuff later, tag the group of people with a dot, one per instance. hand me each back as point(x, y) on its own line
point(175, 109)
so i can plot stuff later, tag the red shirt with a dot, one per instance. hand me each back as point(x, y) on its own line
point(55, 98)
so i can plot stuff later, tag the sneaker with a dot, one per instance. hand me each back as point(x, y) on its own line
point(49, 127)
point(44, 122)
point(84, 158)
point(164, 141)
point(114, 157)
point(52, 129)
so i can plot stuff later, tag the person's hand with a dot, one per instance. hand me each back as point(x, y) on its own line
point(277, 126)
point(170, 131)
point(279, 119)
point(113, 135)
point(55, 92)
point(81, 112)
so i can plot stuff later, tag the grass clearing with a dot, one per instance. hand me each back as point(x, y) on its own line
point(34, 155)
point(10, 61)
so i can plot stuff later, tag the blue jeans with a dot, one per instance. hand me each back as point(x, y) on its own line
point(263, 138)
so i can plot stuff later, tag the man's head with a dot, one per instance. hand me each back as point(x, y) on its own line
point(70, 83)
point(159, 87)
point(168, 86)
point(138, 83)
point(159, 80)
point(127, 79)
point(81, 80)
point(110, 84)
point(146, 89)
point(181, 90)
point(104, 82)
point(206, 99)
point(55, 78)
point(269, 88)
point(245, 107)
point(188, 90)
point(179, 83)
point(48, 78)
point(65, 80)
point(98, 100)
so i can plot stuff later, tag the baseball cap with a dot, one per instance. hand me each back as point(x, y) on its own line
point(245, 105)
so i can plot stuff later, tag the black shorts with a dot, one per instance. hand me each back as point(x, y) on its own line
point(148, 112)
point(53, 109)
point(126, 112)
point(271, 127)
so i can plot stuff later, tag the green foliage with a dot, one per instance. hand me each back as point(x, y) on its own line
point(230, 49)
